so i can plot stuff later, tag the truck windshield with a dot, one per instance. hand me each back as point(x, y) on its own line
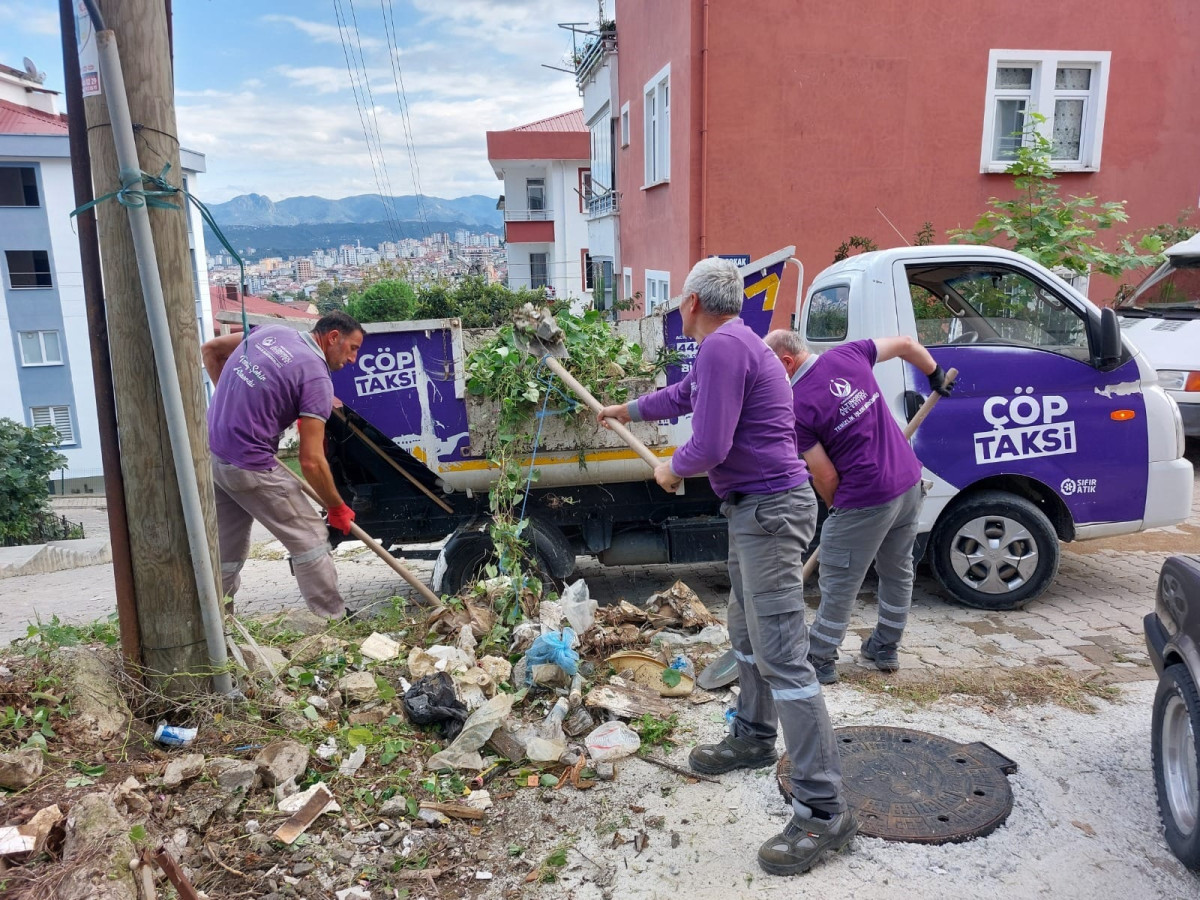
point(1173, 289)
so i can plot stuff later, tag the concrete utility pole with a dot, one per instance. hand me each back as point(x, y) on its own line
point(169, 613)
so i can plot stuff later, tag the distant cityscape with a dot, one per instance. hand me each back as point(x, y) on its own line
point(440, 256)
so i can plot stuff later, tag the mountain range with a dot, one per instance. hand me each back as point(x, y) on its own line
point(257, 226)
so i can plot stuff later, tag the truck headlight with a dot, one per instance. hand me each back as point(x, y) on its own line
point(1179, 380)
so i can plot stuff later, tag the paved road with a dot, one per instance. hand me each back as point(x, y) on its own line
point(1089, 620)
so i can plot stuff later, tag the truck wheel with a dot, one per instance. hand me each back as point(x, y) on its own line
point(1175, 755)
point(994, 551)
point(464, 559)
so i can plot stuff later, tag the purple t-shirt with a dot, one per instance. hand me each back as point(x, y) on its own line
point(838, 405)
point(742, 423)
point(270, 381)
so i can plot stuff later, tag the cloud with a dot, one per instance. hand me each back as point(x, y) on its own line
point(34, 19)
point(324, 33)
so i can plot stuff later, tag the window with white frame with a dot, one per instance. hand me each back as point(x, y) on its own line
point(657, 135)
point(539, 265)
point(1068, 88)
point(627, 284)
point(56, 417)
point(625, 124)
point(658, 289)
point(40, 348)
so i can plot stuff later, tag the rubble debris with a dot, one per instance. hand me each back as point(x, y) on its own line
point(678, 607)
point(627, 700)
point(498, 668)
point(550, 615)
point(448, 620)
point(454, 810)
point(260, 660)
point(432, 701)
point(605, 771)
point(183, 768)
point(579, 722)
point(433, 816)
point(129, 795)
point(479, 799)
point(297, 802)
point(96, 852)
point(318, 801)
point(174, 735)
point(463, 753)
point(379, 647)
point(358, 687)
point(234, 776)
point(523, 636)
point(611, 741)
point(355, 761)
point(716, 635)
point(97, 706)
point(422, 662)
point(281, 760)
point(653, 673)
point(20, 768)
point(354, 892)
point(578, 606)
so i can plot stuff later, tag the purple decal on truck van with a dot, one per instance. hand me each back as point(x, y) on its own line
point(403, 384)
point(1035, 414)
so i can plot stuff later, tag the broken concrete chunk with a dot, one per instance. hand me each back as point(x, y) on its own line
point(281, 760)
point(355, 761)
point(183, 768)
point(97, 706)
point(96, 853)
point(20, 768)
point(498, 669)
point(379, 647)
point(263, 661)
point(241, 777)
point(678, 607)
point(358, 687)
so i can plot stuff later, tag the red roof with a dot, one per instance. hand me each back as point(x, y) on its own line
point(568, 121)
point(16, 119)
point(225, 299)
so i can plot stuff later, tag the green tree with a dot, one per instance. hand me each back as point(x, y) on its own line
point(330, 297)
point(1058, 232)
point(384, 301)
point(27, 457)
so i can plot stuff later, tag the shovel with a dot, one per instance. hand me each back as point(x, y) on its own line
point(539, 335)
point(361, 535)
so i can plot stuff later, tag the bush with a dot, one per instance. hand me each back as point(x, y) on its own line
point(27, 457)
point(384, 301)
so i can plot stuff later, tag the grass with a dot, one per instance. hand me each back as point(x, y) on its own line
point(1010, 687)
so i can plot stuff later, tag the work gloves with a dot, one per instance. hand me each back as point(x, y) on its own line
point(937, 382)
point(340, 518)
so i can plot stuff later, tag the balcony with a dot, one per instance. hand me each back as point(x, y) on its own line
point(591, 56)
point(529, 226)
point(606, 204)
point(528, 215)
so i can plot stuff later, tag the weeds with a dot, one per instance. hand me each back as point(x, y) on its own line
point(655, 732)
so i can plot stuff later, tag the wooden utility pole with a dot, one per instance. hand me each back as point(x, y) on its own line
point(169, 616)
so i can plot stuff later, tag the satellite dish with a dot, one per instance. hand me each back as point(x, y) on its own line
point(33, 72)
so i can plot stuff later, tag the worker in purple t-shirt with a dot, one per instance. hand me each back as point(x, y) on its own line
point(266, 382)
point(743, 437)
point(870, 479)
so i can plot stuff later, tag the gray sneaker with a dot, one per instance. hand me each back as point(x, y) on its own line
point(884, 656)
point(826, 668)
point(729, 754)
point(798, 847)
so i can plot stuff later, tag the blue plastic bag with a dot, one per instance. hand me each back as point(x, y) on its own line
point(553, 647)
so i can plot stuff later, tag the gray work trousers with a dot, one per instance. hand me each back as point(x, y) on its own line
point(850, 540)
point(276, 500)
point(768, 534)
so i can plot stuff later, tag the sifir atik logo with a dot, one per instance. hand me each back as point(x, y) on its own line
point(1024, 427)
point(386, 371)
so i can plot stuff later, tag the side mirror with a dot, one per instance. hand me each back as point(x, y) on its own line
point(1110, 338)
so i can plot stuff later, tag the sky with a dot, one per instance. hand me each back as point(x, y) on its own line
point(262, 87)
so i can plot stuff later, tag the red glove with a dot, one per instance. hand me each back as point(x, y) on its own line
point(340, 518)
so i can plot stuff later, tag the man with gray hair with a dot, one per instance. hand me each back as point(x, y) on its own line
point(743, 436)
point(868, 476)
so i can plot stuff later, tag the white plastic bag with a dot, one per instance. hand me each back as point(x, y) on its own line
point(578, 606)
point(464, 752)
point(612, 740)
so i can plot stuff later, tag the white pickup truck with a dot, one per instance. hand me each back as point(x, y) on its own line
point(1163, 318)
point(1057, 430)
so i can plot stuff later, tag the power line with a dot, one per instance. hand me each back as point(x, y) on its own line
point(402, 98)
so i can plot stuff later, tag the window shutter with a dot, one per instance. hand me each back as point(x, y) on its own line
point(56, 417)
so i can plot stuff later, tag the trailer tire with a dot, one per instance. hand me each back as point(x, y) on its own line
point(1174, 749)
point(468, 553)
point(994, 551)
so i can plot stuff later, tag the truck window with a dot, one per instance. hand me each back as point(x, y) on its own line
point(828, 314)
point(971, 303)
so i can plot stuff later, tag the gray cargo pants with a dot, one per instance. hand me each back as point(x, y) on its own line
point(768, 534)
point(276, 500)
point(850, 540)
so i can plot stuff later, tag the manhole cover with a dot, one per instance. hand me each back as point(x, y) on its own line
point(906, 785)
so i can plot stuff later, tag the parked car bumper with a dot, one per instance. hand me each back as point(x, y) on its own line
point(1189, 411)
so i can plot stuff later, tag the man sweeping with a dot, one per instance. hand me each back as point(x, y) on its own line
point(743, 436)
point(266, 382)
point(868, 476)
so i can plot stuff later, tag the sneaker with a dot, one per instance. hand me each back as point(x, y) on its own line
point(826, 669)
point(798, 847)
point(731, 753)
point(884, 656)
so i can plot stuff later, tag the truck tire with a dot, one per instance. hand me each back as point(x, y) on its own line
point(994, 551)
point(1175, 756)
point(465, 557)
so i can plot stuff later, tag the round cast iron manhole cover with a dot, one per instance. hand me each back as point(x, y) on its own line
point(906, 785)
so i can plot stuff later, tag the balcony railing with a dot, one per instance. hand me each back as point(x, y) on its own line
point(528, 215)
point(606, 204)
point(591, 57)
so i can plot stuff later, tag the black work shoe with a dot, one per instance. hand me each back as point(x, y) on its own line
point(731, 753)
point(826, 669)
point(884, 656)
point(798, 847)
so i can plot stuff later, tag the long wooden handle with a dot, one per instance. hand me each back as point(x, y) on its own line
point(909, 430)
point(595, 406)
point(396, 565)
